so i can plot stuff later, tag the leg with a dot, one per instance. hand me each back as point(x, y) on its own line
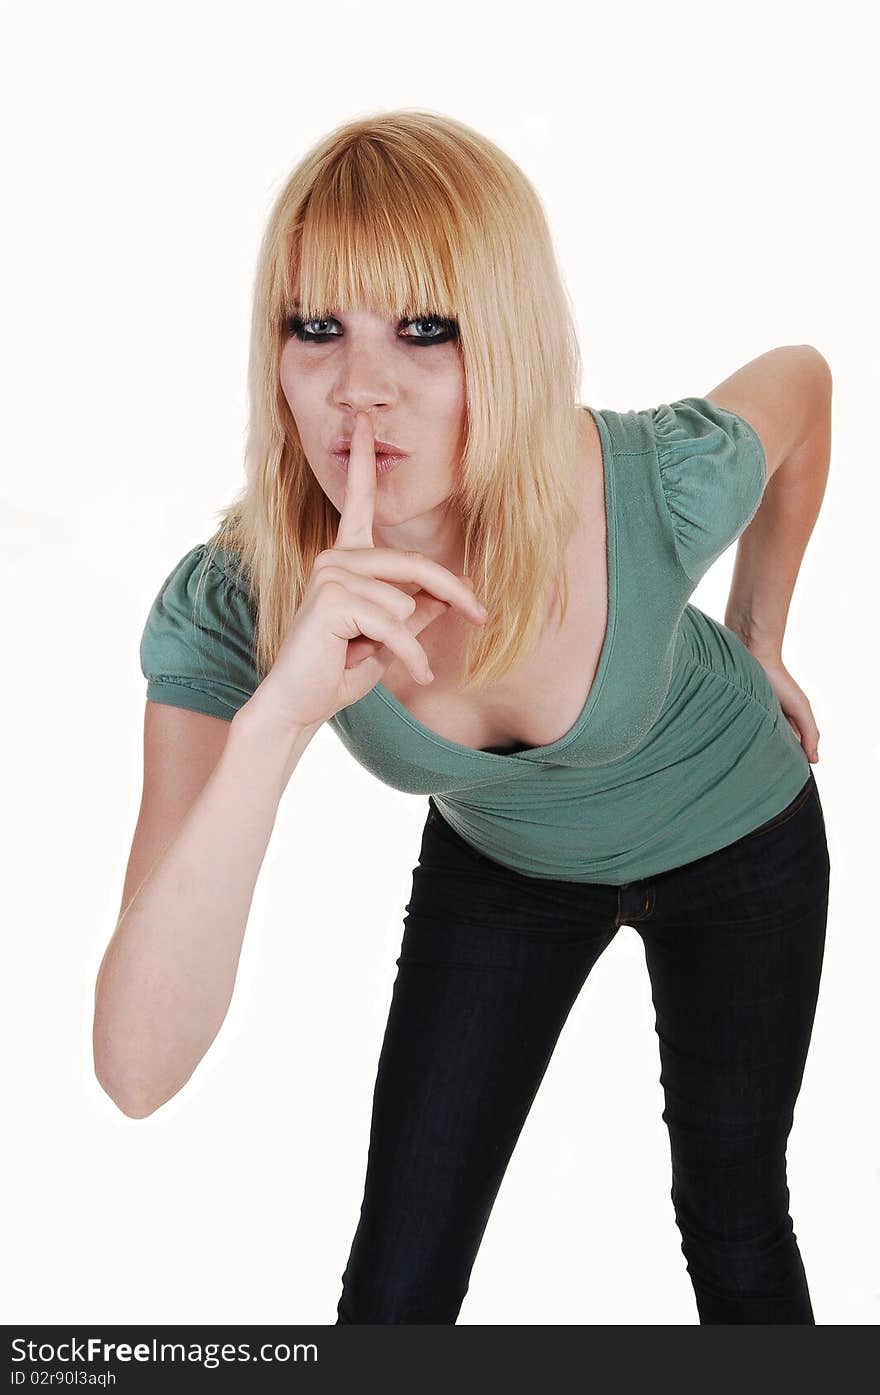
point(490, 965)
point(734, 949)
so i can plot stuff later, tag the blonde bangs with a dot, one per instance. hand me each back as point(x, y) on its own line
point(370, 238)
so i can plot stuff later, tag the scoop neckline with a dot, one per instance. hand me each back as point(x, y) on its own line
point(537, 752)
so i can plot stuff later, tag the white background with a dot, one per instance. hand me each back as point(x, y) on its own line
point(709, 174)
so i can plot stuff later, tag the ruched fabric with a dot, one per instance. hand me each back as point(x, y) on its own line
point(196, 649)
point(713, 470)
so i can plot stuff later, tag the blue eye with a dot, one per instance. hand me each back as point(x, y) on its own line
point(447, 329)
point(297, 326)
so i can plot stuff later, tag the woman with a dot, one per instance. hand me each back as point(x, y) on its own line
point(597, 751)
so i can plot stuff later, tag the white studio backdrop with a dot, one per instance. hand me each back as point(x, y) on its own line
point(709, 175)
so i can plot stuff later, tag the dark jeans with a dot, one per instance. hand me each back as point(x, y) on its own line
point(491, 962)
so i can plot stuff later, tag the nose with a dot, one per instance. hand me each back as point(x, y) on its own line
point(375, 404)
point(364, 381)
point(362, 401)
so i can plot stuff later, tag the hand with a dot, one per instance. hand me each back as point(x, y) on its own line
point(356, 529)
point(792, 699)
point(356, 614)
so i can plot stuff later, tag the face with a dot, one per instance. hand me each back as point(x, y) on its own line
point(407, 375)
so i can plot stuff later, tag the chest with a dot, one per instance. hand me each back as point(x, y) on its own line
point(542, 696)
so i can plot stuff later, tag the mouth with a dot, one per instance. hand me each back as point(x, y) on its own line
point(343, 444)
point(385, 462)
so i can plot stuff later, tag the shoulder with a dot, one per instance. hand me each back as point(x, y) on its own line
point(197, 644)
point(783, 394)
point(712, 473)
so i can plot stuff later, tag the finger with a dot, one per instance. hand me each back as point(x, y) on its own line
point(358, 507)
point(357, 616)
point(808, 746)
point(428, 608)
point(808, 732)
point(399, 603)
point(389, 564)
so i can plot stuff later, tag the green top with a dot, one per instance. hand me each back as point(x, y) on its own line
point(681, 747)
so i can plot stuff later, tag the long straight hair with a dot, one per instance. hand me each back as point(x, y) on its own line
point(412, 213)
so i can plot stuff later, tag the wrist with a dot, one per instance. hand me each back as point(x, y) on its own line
point(760, 642)
point(269, 736)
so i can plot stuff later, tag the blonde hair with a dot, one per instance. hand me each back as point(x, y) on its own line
point(412, 213)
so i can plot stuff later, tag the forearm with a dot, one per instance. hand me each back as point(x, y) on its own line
point(770, 551)
point(167, 977)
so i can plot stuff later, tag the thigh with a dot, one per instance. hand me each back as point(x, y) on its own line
point(734, 949)
point(490, 964)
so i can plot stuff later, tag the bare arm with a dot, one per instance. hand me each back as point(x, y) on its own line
point(211, 798)
point(166, 979)
point(785, 395)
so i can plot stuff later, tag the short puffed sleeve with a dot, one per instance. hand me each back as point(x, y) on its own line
point(196, 650)
point(712, 472)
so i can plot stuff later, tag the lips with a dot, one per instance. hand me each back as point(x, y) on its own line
point(343, 443)
point(385, 463)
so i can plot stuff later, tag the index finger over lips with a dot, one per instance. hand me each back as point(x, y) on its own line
point(358, 507)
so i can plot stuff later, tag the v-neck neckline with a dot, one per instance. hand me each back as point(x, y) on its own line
point(539, 752)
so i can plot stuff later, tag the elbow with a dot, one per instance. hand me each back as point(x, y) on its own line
point(822, 366)
point(814, 362)
point(807, 354)
point(125, 1090)
point(132, 1105)
point(132, 1102)
point(116, 1079)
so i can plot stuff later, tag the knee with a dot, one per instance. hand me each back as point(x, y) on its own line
point(738, 1260)
point(746, 1272)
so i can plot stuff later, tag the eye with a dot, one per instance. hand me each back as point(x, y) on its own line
point(295, 325)
point(444, 329)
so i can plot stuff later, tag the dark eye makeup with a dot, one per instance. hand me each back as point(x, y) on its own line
point(447, 329)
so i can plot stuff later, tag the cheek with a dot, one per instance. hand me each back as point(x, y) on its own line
point(444, 395)
point(458, 426)
point(285, 377)
point(300, 378)
point(292, 383)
